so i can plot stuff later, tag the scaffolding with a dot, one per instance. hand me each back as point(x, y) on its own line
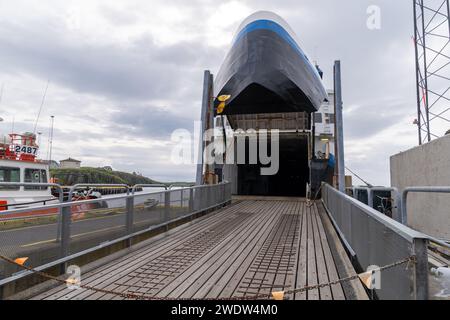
point(432, 51)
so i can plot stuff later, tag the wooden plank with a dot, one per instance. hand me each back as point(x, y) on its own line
point(135, 281)
point(322, 273)
point(250, 209)
point(246, 274)
point(271, 249)
point(302, 256)
point(206, 276)
point(258, 247)
point(226, 273)
point(236, 273)
point(312, 266)
point(338, 293)
point(290, 246)
point(98, 276)
point(230, 242)
point(353, 290)
point(273, 255)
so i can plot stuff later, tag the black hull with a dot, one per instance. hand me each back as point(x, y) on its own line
point(266, 72)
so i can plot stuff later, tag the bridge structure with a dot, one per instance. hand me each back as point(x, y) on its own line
point(202, 243)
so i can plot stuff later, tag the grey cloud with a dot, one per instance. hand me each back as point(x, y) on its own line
point(118, 17)
point(377, 67)
point(369, 119)
point(143, 71)
point(149, 121)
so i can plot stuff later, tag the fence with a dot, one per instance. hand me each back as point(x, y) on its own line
point(377, 240)
point(53, 234)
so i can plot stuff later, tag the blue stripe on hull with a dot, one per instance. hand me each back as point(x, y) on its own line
point(272, 26)
point(279, 30)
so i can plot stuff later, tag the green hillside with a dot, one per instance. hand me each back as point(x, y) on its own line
point(70, 177)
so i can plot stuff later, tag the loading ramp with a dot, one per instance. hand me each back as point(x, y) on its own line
point(250, 248)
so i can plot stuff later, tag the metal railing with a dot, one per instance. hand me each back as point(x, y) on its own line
point(404, 206)
point(400, 206)
point(94, 185)
point(152, 185)
point(89, 225)
point(181, 185)
point(377, 240)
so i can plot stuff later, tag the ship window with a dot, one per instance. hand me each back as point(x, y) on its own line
point(35, 176)
point(318, 118)
point(8, 174)
point(329, 118)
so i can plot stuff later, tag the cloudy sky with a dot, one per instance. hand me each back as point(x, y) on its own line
point(124, 74)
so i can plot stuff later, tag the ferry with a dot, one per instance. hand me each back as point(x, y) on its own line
point(267, 71)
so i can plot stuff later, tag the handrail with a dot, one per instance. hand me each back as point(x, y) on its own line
point(93, 185)
point(181, 185)
point(427, 189)
point(151, 185)
point(408, 190)
point(369, 234)
point(399, 228)
point(115, 197)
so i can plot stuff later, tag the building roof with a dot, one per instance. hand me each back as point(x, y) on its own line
point(70, 160)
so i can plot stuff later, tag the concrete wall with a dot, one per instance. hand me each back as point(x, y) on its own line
point(426, 165)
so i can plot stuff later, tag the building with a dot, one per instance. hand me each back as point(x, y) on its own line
point(425, 165)
point(70, 163)
point(324, 121)
point(52, 164)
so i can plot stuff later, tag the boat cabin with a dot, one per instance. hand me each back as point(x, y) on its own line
point(18, 163)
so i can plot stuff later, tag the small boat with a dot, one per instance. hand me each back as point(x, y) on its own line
point(266, 71)
point(19, 164)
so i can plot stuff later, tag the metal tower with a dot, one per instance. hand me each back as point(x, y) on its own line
point(432, 49)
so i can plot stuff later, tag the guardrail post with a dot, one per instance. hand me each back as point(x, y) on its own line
point(181, 198)
point(199, 198)
point(129, 217)
point(191, 200)
point(65, 233)
point(167, 207)
point(397, 207)
point(421, 269)
point(370, 198)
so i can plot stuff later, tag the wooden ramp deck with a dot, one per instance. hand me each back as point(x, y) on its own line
point(248, 248)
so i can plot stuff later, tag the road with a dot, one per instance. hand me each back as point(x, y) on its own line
point(34, 236)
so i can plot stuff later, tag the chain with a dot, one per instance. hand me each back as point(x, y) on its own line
point(134, 296)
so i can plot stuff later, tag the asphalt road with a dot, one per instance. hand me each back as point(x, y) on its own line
point(31, 237)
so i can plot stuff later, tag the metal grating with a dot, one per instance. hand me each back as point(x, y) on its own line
point(274, 266)
point(157, 273)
